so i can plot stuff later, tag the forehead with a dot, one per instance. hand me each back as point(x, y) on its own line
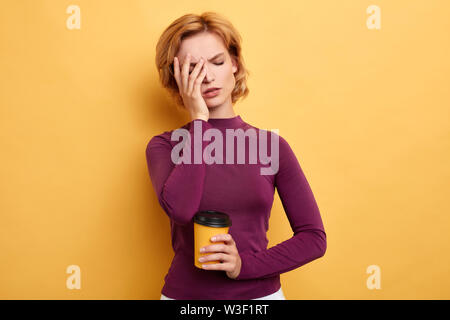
point(205, 45)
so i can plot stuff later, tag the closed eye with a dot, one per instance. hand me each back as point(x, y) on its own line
point(217, 64)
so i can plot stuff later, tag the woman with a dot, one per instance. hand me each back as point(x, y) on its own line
point(194, 54)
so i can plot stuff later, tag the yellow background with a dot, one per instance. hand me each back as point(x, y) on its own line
point(366, 112)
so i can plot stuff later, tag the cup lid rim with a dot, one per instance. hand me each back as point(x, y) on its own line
point(212, 218)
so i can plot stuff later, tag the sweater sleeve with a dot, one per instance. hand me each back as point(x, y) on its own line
point(309, 239)
point(178, 186)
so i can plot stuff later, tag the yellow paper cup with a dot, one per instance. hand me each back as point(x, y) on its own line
point(206, 225)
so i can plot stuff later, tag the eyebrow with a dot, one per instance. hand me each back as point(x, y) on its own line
point(217, 55)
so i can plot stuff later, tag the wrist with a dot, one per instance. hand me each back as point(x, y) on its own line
point(199, 116)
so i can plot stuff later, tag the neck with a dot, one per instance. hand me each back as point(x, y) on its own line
point(232, 122)
point(225, 110)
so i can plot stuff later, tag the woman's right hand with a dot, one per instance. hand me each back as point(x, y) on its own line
point(189, 86)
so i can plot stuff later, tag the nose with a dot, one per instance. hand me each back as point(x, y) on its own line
point(208, 76)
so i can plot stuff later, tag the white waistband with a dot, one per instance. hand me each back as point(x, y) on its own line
point(273, 296)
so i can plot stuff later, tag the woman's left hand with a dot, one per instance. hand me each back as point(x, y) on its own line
point(226, 252)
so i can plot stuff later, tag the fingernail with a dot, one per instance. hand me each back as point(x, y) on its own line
point(202, 249)
point(213, 239)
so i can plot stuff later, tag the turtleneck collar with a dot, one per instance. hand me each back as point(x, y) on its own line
point(235, 122)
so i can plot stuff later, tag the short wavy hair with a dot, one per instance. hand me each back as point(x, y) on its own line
point(188, 25)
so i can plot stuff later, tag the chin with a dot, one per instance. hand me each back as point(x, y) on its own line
point(211, 105)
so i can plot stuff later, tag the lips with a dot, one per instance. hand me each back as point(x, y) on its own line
point(210, 89)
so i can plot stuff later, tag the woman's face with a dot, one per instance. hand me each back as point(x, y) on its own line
point(220, 66)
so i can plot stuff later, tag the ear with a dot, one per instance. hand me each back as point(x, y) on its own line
point(235, 66)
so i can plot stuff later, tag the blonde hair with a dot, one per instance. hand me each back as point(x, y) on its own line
point(188, 25)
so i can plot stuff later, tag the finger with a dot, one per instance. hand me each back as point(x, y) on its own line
point(185, 71)
point(225, 237)
point(199, 80)
point(193, 75)
point(176, 71)
point(218, 266)
point(217, 248)
point(215, 257)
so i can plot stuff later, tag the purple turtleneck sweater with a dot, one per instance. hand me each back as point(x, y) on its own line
point(246, 195)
